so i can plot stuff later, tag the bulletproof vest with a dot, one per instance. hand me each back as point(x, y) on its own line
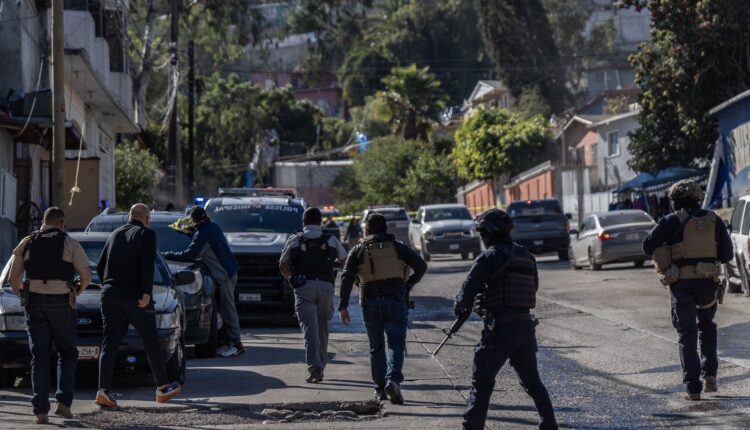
point(314, 258)
point(380, 262)
point(515, 284)
point(698, 238)
point(45, 257)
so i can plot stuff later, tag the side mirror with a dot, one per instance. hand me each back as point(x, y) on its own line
point(184, 277)
point(569, 215)
point(574, 232)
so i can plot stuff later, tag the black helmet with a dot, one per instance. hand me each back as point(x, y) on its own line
point(198, 214)
point(494, 222)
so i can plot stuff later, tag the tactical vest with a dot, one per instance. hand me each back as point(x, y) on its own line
point(45, 257)
point(515, 284)
point(697, 244)
point(314, 258)
point(380, 262)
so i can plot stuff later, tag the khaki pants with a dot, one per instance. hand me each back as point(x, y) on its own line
point(313, 303)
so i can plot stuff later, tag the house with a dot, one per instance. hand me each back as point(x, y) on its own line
point(487, 93)
point(612, 154)
point(98, 107)
point(324, 92)
point(577, 142)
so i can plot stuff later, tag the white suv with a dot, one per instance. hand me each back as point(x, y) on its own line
point(738, 270)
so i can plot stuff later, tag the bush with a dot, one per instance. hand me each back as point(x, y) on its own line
point(136, 175)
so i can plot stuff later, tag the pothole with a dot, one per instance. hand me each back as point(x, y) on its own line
point(197, 415)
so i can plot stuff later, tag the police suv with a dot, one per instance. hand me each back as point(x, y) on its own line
point(257, 224)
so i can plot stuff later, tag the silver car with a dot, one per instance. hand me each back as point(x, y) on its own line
point(610, 237)
point(396, 218)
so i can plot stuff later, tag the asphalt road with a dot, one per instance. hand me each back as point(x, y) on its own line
point(608, 356)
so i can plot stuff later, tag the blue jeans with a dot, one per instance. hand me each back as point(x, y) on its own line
point(515, 341)
point(50, 321)
point(695, 325)
point(385, 318)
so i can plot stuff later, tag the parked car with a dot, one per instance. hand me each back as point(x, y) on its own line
point(737, 270)
point(611, 237)
point(257, 224)
point(540, 226)
point(202, 316)
point(396, 218)
point(170, 321)
point(444, 229)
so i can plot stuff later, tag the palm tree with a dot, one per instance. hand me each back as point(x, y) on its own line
point(412, 101)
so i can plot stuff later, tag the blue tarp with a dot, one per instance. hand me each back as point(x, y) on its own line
point(667, 176)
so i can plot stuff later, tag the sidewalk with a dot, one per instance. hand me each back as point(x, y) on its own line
point(272, 372)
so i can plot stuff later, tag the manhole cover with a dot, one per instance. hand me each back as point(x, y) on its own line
point(197, 415)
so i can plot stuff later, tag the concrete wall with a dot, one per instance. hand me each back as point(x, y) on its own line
point(19, 50)
point(613, 169)
point(311, 179)
point(86, 203)
point(480, 197)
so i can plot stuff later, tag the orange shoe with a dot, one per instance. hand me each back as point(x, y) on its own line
point(168, 392)
point(104, 400)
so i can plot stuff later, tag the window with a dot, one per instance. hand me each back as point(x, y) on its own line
point(746, 222)
point(737, 216)
point(587, 224)
point(613, 143)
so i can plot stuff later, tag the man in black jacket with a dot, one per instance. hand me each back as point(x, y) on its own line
point(126, 268)
point(381, 265)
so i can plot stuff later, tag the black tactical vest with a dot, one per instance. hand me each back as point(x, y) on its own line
point(515, 284)
point(45, 257)
point(314, 258)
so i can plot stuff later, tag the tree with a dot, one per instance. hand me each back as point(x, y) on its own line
point(346, 191)
point(495, 142)
point(432, 179)
point(380, 171)
point(531, 103)
point(698, 56)
point(412, 101)
point(135, 175)
point(519, 40)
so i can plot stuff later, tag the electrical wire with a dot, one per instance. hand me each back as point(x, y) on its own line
point(33, 102)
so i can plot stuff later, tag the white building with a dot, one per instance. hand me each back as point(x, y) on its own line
point(613, 134)
point(487, 93)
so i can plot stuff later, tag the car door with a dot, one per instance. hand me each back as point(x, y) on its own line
point(736, 224)
point(584, 240)
point(414, 230)
point(576, 241)
point(744, 235)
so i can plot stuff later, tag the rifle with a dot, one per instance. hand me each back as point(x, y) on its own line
point(722, 289)
point(455, 327)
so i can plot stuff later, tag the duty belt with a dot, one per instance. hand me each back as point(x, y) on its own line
point(700, 271)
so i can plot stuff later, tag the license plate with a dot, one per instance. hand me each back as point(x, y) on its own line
point(88, 352)
point(454, 246)
point(249, 297)
point(633, 236)
point(538, 242)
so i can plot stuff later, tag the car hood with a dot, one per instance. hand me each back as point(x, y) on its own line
point(261, 243)
point(89, 300)
point(448, 224)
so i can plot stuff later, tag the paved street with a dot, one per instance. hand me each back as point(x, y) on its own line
point(608, 355)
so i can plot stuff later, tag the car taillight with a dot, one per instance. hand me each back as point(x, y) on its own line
point(605, 236)
point(748, 246)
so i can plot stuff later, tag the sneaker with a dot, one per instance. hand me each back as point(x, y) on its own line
point(168, 392)
point(379, 395)
point(709, 384)
point(63, 411)
point(314, 378)
point(394, 393)
point(229, 351)
point(104, 400)
point(693, 396)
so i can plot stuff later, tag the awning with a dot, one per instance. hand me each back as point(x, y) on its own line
point(662, 179)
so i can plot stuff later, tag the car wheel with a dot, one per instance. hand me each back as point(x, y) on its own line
point(735, 288)
point(745, 285)
point(177, 363)
point(639, 263)
point(562, 255)
point(208, 349)
point(572, 260)
point(425, 254)
point(592, 262)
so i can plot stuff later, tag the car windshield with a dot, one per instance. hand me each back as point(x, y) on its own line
point(395, 215)
point(624, 218)
point(257, 218)
point(446, 213)
point(169, 239)
point(94, 250)
point(106, 227)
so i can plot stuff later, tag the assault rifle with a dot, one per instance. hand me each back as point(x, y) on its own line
point(455, 327)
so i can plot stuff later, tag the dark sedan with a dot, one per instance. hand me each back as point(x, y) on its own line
point(15, 357)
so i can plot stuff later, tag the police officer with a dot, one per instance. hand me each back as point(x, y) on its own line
point(688, 247)
point(380, 264)
point(50, 259)
point(506, 277)
point(308, 262)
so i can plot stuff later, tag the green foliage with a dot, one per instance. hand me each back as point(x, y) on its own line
point(698, 57)
point(346, 192)
point(360, 75)
point(617, 105)
point(495, 142)
point(135, 175)
point(432, 179)
point(519, 40)
point(370, 120)
point(411, 101)
point(380, 170)
point(335, 133)
point(531, 103)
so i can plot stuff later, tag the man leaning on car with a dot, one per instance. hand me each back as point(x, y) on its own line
point(50, 259)
point(126, 268)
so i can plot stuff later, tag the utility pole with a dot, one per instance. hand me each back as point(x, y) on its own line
point(191, 119)
point(58, 104)
point(172, 145)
